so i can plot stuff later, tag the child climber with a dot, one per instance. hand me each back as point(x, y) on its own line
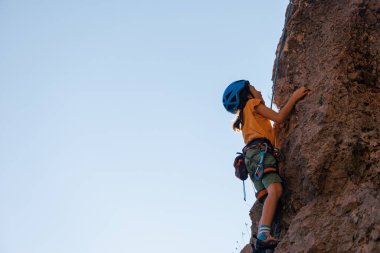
point(253, 120)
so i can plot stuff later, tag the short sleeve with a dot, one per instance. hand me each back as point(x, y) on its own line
point(252, 103)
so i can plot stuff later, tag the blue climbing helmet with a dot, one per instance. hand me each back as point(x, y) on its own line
point(231, 98)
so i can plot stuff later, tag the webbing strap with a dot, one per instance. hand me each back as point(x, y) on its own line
point(260, 167)
point(282, 40)
point(261, 194)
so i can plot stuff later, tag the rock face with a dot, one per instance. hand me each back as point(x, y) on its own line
point(331, 141)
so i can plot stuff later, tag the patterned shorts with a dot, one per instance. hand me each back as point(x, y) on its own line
point(253, 159)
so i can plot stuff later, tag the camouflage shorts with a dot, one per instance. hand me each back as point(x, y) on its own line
point(252, 160)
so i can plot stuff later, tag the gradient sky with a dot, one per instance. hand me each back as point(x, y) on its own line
point(113, 137)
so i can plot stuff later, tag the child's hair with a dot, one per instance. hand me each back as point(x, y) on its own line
point(243, 98)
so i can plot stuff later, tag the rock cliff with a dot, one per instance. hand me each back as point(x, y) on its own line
point(331, 141)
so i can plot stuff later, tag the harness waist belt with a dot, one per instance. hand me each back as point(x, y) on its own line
point(258, 141)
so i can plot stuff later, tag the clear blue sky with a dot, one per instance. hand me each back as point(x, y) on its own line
point(113, 137)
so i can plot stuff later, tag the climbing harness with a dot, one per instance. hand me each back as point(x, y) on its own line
point(282, 41)
point(261, 195)
point(241, 171)
point(265, 147)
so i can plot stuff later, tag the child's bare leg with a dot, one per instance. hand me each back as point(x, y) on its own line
point(264, 239)
point(270, 204)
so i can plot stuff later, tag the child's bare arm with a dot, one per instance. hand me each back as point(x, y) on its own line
point(280, 116)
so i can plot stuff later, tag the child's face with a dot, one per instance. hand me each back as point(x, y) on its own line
point(256, 93)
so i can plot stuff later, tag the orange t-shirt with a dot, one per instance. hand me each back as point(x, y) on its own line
point(255, 125)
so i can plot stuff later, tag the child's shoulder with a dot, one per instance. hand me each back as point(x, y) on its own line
point(251, 103)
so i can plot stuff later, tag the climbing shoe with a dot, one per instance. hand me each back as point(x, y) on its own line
point(269, 243)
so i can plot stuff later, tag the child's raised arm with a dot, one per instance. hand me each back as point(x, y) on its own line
point(280, 116)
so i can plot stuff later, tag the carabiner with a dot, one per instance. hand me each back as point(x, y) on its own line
point(266, 147)
point(260, 167)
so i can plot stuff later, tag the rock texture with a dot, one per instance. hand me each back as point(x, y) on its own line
point(332, 139)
